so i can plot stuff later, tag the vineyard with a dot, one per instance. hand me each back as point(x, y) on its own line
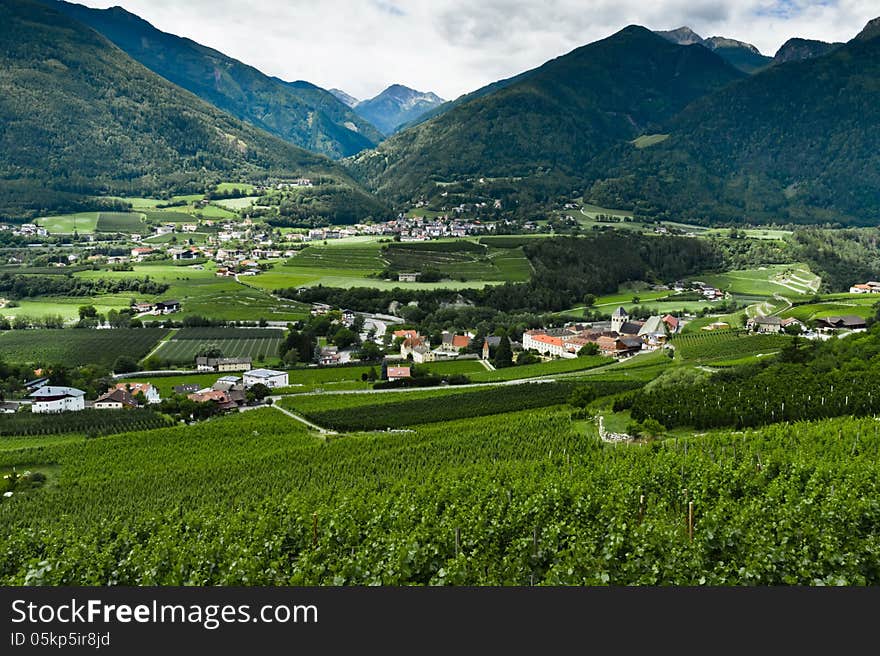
point(718, 346)
point(186, 344)
point(371, 415)
point(775, 395)
point(89, 422)
point(253, 499)
point(75, 348)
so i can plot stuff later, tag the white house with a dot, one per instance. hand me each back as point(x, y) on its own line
point(50, 399)
point(535, 340)
point(268, 377)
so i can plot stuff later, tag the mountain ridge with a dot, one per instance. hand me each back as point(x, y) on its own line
point(396, 106)
point(298, 112)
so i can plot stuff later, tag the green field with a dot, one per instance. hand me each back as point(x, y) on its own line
point(466, 367)
point(82, 223)
point(460, 260)
point(256, 344)
point(204, 294)
point(236, 203)
point(354, 263)
point(243, 187)
point(553, 367)
point(66, 306)
point(784, 279)
point(76, 347)
point(124, 222)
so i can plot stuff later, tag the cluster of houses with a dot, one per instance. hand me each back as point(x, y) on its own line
point(27, 230)
point(708, 292)
point(824, 326)
point(228, 391)
point(418, 347)
point(622, 336)
point(168, 306)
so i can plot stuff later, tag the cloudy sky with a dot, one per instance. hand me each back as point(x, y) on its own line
point(455, 46)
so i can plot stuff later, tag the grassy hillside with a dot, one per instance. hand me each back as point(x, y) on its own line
point(78, 116)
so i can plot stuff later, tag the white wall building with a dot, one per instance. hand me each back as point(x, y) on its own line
point(268, 377)
point(50, 399)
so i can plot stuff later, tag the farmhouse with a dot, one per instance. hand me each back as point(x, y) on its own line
point(845, 322)
point(167, 307)
point(454, 343)
point(408, 277)
point(268, 377)
point(398, 373)
point(204, 363)
point(763, 324)
point(329, 356)
point(116, 399)
point(618, 346)
point(672, 324)
point(51, 399)
point(151, 394)
point(870, 287)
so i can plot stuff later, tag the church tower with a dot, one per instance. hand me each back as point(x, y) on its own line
point(618, 319)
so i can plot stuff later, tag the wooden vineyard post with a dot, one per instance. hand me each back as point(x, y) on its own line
point(690, 521)
point(314, 529)
point(641, 507)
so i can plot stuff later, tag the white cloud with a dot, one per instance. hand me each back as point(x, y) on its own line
point(455, 46)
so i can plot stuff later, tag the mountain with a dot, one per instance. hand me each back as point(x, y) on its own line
point(800, 49)
point(871, 31)
point(79, 117)
point(396, 106)
point(551, 120)
point(743, 56)
point(347, 100)
point(298, 112)
point(797, 142)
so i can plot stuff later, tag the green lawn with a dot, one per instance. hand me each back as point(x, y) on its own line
point(65, 306)
point(783, 279)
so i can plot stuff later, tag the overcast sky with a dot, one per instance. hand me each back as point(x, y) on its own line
point(455, 46)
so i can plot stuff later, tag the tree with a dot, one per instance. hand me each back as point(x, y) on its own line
point(344, 337)
point(581, 397)
point(88, 311)
point(125, 364)
point(258, 392)
point(589, 300)
point(588, 349)
point(291, 357)
point(503, 354)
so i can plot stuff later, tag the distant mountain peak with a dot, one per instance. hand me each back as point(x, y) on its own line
point(683, 36)
point(397, 105)
point(344, 98)
point(738, 54)
point(871, 31)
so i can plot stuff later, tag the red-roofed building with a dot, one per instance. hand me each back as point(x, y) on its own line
point(398, 373)
point(544, 344)
point(406, 334)
point(672, 323)
point(151, 394)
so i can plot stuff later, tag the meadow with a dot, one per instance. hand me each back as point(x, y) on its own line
point(122, 222)
point(66, 224)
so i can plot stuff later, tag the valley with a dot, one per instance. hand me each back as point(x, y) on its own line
point(610, 321)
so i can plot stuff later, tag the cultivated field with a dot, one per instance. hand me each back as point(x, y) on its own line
point(187, 343)
point(74, 348)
